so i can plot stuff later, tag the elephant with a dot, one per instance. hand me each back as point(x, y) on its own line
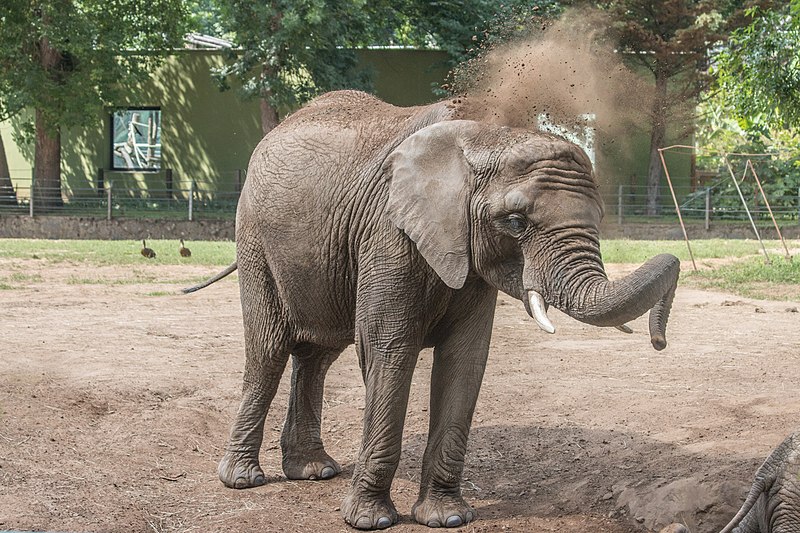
point(773, 502)
point(394, 229)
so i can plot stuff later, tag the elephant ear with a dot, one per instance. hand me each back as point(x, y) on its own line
point(429, 196)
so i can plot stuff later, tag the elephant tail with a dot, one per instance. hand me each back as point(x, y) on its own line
point(756, 490)
point(209, 281)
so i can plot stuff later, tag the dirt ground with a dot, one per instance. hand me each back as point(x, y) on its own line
point(116, 397)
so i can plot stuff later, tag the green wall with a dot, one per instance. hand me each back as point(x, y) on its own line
point(207, 136)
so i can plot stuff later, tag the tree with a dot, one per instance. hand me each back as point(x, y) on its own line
point(7, 194)
point(671, 40)
point(288, 51)
point(757, 73)
point(61, 59)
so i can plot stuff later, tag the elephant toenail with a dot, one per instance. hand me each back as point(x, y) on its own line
point(470, 516)
point(259, 480)
point(240, 483)
point(434, 523)
point(363, 523)
point(454, 521)
point(327, 473)
point(383, 523)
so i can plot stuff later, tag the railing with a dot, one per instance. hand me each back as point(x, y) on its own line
point(700, 203)
point(194, 200)
point(197, 200)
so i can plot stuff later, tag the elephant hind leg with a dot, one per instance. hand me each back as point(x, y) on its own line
point(267, 347)
point(304, 456)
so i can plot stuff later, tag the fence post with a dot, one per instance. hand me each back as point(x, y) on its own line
point(708, 208)
point(33, 183)
point(101, 177)
point(191, 199)
point(238, 180)
point(798, 205)
point(168, 182)
point(619, 205)
point(108, 200)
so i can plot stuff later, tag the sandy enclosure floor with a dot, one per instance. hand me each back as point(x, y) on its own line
point(116, 397)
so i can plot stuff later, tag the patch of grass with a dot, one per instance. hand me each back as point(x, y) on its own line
point(96, 252)
point(754, 278)
point(161, 293)
point(20, 277)
point(6, 287)
point(629, 251)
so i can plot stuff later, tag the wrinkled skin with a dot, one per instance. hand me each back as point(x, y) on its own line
point(394, 228)
point(773, 503)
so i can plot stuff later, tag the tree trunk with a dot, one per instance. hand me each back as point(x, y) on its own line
point(47, 151)
point(269, 116)
point(7, 194)
point(657, 137)
point(46, 166)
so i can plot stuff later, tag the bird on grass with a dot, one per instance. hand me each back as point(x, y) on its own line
point(147, 252)
point(185, 252)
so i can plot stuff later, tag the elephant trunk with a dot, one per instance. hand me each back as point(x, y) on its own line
point(587, 295)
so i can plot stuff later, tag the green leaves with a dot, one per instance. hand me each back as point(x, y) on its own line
point(758, 72)
point(65, 57)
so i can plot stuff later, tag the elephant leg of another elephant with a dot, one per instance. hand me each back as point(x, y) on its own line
point(387, 355)
point(458, 366)
point(304, 456)
point(266, 353)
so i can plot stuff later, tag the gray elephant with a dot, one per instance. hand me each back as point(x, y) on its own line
point(773, 503)
point(394, 228)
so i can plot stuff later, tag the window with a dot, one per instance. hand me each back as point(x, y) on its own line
point(136, 139)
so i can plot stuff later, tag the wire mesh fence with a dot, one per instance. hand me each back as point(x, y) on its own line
point(709, 203)
point(197, 200)
point(193, 200)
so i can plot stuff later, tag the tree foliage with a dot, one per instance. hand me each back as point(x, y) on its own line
point(671, 39)
point(288, 51)
point(93, 43)
point(61, 59)
point(758, 72)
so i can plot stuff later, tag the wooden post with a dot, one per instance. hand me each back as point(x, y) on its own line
point(619, 205)
point(708, 208)
point(238, 180)
point(33, 183)
point(191, 199)
point(108, 200)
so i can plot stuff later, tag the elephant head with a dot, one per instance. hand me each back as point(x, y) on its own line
point(520, 209)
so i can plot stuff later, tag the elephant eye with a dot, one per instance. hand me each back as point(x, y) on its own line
point(516, 223)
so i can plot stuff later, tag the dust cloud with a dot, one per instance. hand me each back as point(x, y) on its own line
point(567, 73)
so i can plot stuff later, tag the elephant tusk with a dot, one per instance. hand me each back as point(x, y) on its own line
point(624, 328)
point(539, 312)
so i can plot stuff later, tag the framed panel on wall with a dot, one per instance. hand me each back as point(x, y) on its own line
point(136, 139)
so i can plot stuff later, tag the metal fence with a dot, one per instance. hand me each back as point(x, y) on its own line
point(193, 200)
point(711, 203)
point(196, 200)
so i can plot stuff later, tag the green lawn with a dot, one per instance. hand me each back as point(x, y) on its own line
point(93, 252)
point(735, 266)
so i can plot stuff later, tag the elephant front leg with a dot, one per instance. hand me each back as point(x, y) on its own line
point(459, 362)
point(304, 456)
point(387, 376)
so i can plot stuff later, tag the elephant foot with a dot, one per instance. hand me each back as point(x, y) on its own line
point(367, 511)
point(240, 471)
point(442, 511)
point(313, 465)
